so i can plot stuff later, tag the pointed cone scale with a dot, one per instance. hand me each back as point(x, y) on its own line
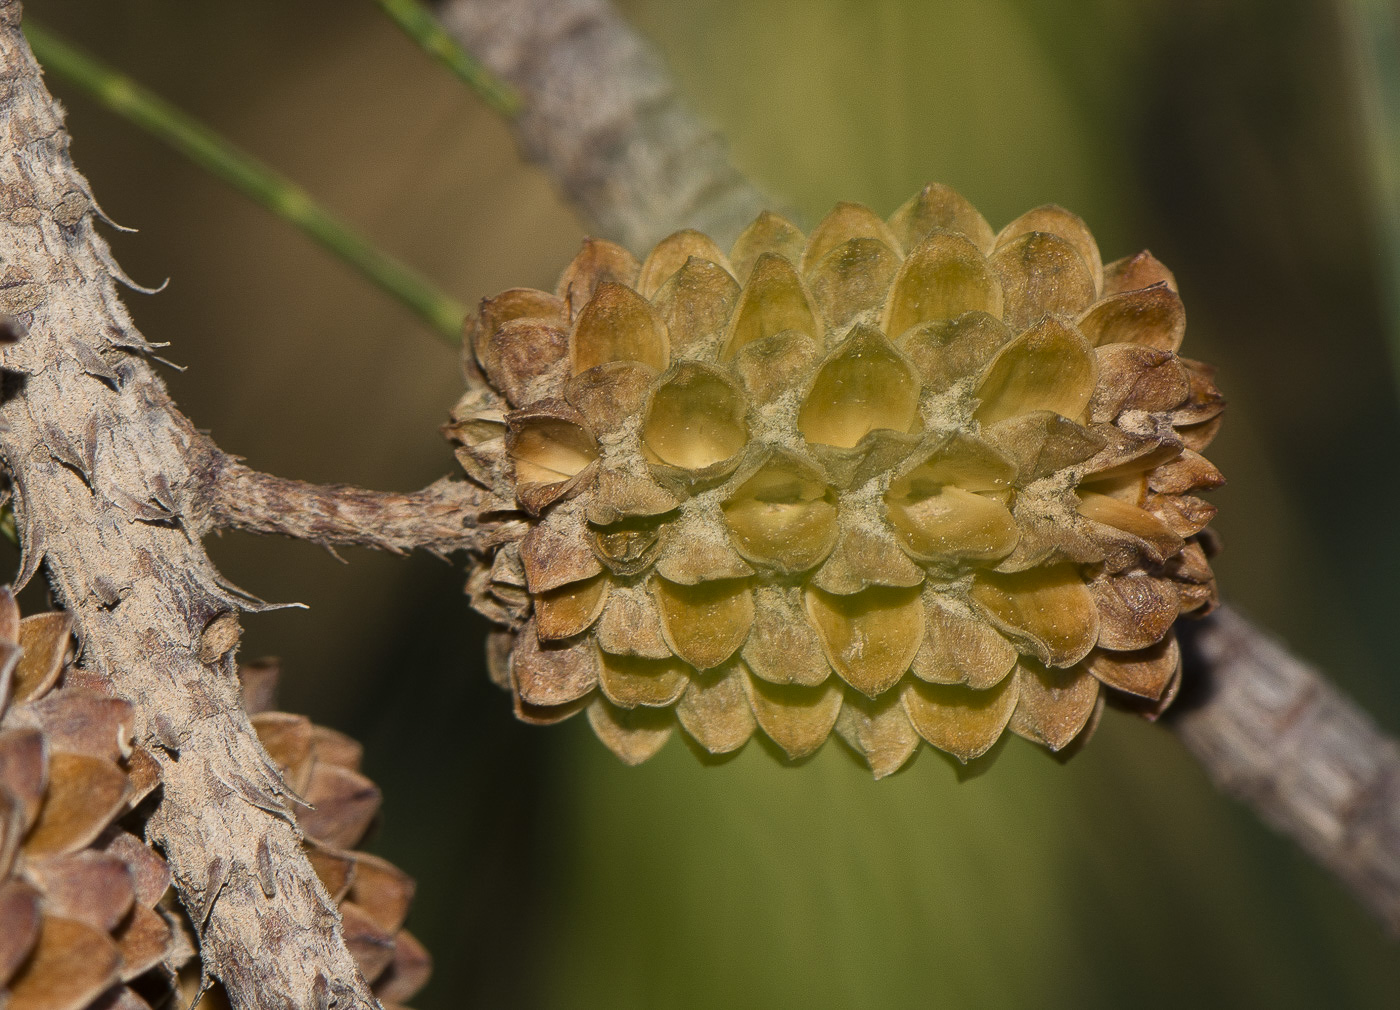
point(1135, 272)
point(951, 349)
point(1145, 673)
point(768, 234)
point(556, 552)
point(1063, 224)
point(45, 639)
point(960, 648)
point(334, 747)
point(549, 444)
point(866, 384)
point(85, 886)
point(671, 253)
point(1041, 273)
point(631, 625)
point(1133, 377)
point(150, 875)
point(407, 972)
point(335, 870)
point(715, 710)
point(695, 306)
point(516, 355)
point(950, 523)
point(784, 515)
point(852, 279)
point(847, 221)
point(944, 277)
point(370, 944)
point(866, 555)
point(1054, 706)
point(607, 395)
point(552, 673)
point(1156, 535)
point(1188, 472)
point(634, 735)
point(870, 637)
point(1136, 610)
point(82, 721)
point(797, 719)
point(618, 325)
point(879, 731)
point(19, 911)
point(70, 966)
point(143, 940)
point(1042, 442)
point(24, 770)
point(1151, 317)
point(628, 682)
point(697, 549)
point(9, 615)
point(345, 804)
point(1049, 367)
point(959, 720)
point(771, 366)
point(571, 609)
point(287, 740)
point(773, 300)
point(706, 623)
point(84, 795)
point(782, 648)
point(938, 206)
point(598, 262)
point(1050, 609)
point(695, 418)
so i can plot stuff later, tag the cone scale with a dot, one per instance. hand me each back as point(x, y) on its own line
point(904, 480)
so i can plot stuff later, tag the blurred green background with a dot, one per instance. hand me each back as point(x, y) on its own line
point(1244, 141)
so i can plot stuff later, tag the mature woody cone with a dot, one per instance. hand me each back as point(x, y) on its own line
point(322, 767)
point(956, 468)
point(80, 924)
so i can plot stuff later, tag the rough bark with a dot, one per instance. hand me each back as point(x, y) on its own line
point(103, 467)
point(1272, 731)
point(605, 118)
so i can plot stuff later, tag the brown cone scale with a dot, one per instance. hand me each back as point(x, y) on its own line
point(905, 480)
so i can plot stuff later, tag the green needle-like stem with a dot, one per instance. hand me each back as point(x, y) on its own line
point(419, 24)
point(248, 175)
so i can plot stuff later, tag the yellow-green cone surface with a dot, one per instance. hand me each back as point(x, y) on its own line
point(904, 479)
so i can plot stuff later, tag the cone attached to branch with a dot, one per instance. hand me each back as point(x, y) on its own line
point(905, 479)
point(81, 924)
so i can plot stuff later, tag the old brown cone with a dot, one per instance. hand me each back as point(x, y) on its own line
point(88, 920)
point(903, 479)
point(81, 924)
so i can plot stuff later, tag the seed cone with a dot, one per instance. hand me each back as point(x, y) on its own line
point(905, 479)
point(81, 924)
point(322, 767)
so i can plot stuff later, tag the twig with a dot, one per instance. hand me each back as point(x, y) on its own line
point(103, 465)
point(442, 518)
point(418, 23)
point(249, 176)
point(1272, 731)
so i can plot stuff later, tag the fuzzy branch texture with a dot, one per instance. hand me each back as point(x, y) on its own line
point(103, 467)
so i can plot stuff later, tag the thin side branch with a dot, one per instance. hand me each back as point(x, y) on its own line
point(1273, 732)
point(442, 518)
point(103, 467)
